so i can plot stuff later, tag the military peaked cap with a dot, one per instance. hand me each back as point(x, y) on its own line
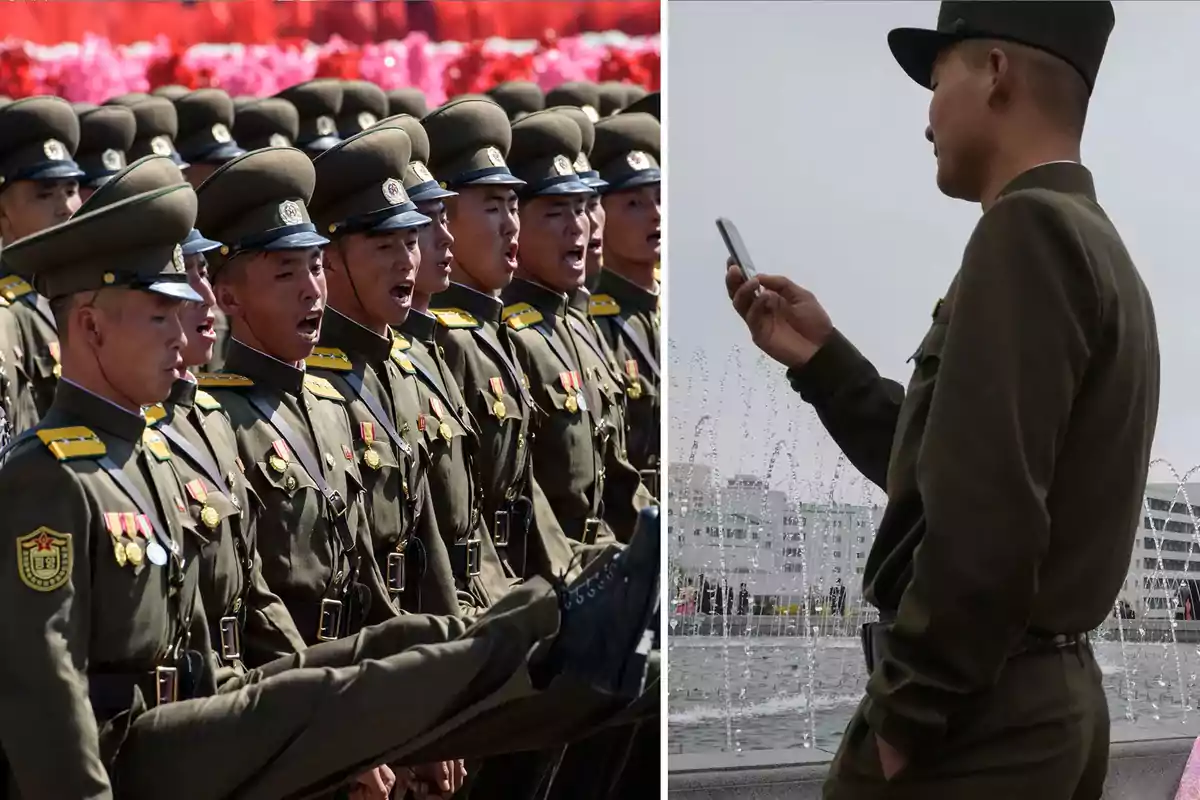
point(518, 98)
point(38, 139)
point(418, 181)
point(407, 100)
point(468, 141)
point(581, 94)
point(363, 104)
point(587, 131)
point(626, 151)
point(318, 103)
point(157, 125)
point(269, 122)
point(205, 123)
point(545, 145)
point(105, 136)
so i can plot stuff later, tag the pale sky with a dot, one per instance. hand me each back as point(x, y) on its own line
point(792, 119)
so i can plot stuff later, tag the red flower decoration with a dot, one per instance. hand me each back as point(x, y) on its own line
point(341, 64)
point(169, 70)
point(475, 70)
point(16, 73)
point(643, 69)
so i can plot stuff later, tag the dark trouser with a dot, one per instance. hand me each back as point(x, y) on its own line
point(1041, 733)
point(301, 732)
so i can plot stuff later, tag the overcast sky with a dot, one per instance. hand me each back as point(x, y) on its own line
point(792, 119)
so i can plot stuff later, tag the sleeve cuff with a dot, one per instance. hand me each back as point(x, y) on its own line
point(831, 367)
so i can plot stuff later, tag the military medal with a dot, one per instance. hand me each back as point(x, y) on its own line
point(440, 412)
point(571, 403)
point(156, 554)
point(208, 514)
point(370, 455)
point(279, 459)
point(112, 521)
point(635, 384)
point(498, 407)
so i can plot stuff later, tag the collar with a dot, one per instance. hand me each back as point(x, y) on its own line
point(1067, 177)
point(419, 326)
point(627, 293)
point(183, 394)
point(338, 330)
point(95, 411)
point(479, 305)
point(547, 301)
point(262, 368)
point(579, 299)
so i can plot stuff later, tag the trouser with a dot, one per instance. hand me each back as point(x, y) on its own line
point(1041, 733)
point(523, 776)
point(301, 732)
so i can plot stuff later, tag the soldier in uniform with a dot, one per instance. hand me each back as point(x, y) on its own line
point(39, 188)
point(105, 135)
point(157, 126)
point(318, 103)
point(407, 100)
point(581, 94)
point(266, 122)
point(205, 139)
point(363, 105)
point(518, 98)
point(595, 207)
point(625, 305)
point(99, 702)
point(1037, 380)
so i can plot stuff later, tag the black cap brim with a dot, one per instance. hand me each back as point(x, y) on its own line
point(564, 188)
point(226, 151)
point(296, 241)
point(434, 192)
point(599, 184)
point(59, 171)
point(647, 177)
point(321, 144)
point(402, 221)
point(200, 244)
point(916, 50)
point(498, 179)
point(177, 290)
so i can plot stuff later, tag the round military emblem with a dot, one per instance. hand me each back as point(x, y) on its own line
point(326, 126)
point(634, 391)
point(445, 432)
point(421, 171)
point(177, 258)
point(156, 553)
point(393, 191)
point(161, 145)
point(279, 140)
point(220, 133)
point(119, 553)
point(582, 164)
point(638, 160)
point(133, 553)
point(366, 119)
point(371, 458)
point(290, 483)
point(499, 410)
point(54, 150)
point(289, 212)
point(591, 113)
point(571, 404)
point(494, 156)
point(277, 464)
point(562, 165)
point(112, 159)
point(210, 517)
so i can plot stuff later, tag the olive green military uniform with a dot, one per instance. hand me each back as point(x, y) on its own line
point(318, 103)
point(38, 138)
point(157, 126)
point(356, 192)
point(518, 98)
point(292, 428)
point(363, 105)
point(105, 135)
point(1037, 380)
point(627, 314)
point(266, 122)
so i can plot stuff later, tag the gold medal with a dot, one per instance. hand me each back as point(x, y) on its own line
point(277, 464)
point(119, 552)
point(290, 483)
point(444, 431)
point(634, 391)
point(499, 410)
point(133, 551)
point(371, 458)
point(210, 517)
point(571, 403)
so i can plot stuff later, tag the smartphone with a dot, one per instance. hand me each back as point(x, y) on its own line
point(736, 247)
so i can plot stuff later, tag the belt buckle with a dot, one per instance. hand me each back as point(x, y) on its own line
point(231, 638)
point(166, 685)
point(396, 571)
point(336, 504)
point(591, 529)
point(500, 529)
point(474, 556)
point(650, 480)
point(330, 622)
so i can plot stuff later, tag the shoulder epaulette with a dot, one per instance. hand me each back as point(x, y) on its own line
point(521, 315)
point(206, 401)
point(400, 343)
point(67, 444)
point(4, 303)
point(329, 358)
point(322, 388)
point(603, 305)
point(222, 380)
point(403, 361)
point(154, 413)
point(14, 286)
point(454, 318)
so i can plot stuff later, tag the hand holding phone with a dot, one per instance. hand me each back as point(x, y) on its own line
point(736, 247)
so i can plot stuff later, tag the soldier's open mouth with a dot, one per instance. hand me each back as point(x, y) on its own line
point(655, 238)
point(594, 245)
point(575, 254)
point(310, 324)
point(206, 329)
point(402, 293)
point(510, 254)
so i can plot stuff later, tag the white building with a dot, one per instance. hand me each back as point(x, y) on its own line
point(1166, 549)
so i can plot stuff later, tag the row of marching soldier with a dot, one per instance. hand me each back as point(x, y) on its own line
point(333, 443)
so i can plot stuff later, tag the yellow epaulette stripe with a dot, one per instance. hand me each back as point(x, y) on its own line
point(454, 318)
point(521, 315)
point(322, 388)
point(222, 380)
point(400, 343)
point(603, 305)
point(207, 402)
point(330, 358)
point(404, 362)
point(69, 443)
point(154, 413)
point(14, 286)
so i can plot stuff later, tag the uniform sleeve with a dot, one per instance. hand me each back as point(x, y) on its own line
point(270, 630)
point(48, 731)
point(1019, 340)
point(624, 494)
point(858, 408)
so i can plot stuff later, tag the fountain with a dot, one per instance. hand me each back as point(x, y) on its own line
point(769, 528)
